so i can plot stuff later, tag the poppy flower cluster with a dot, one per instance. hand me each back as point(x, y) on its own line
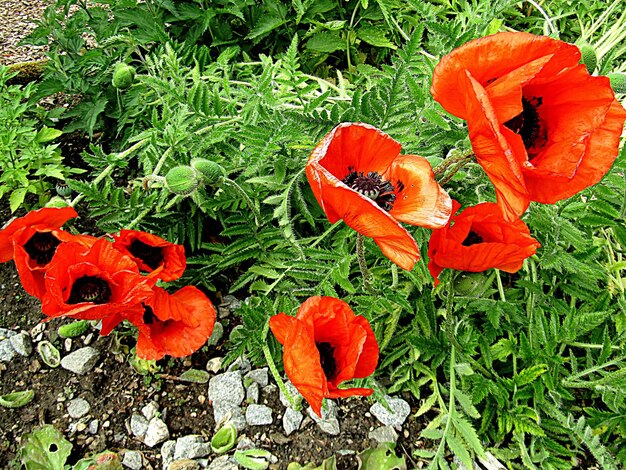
point(109, 279)
point(324, 345)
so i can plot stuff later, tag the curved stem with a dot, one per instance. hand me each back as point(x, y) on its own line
point(295, 403)
point(360, 254)
point(243, 194)
point(500, 286)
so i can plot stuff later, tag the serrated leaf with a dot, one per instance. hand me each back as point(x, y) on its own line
point(17, 198)
point(374, 36)
point(44, 449)
point(326, 42)
point(468, 434)
point(529, 374)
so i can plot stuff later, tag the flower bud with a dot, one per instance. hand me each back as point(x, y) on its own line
point(209, 171)
point(181, 180)
point(589, 57)
point(618, 82)
point(469, 284)
point(123, 76)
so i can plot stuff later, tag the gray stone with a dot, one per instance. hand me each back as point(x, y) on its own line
point(222, 463)
point(214, 364)
point(78, 407)
point(252, 393)
point(259, 415)
point(293, 391)
point(328, 423)
point(133, 459)
point(157, 432)
point(150, 410)
point(245, 443)
point(383, 434)
point(138, 425)
point(167, 453)
point(226, 412)
point(226, 389)
point(400, 410)
point(240, 364)
point(184, 464)
point(93, 426)
point(259, 376)
point(191, 447)
point(218, 332)
point(7, 353)
point(6, 334)
point(22, 344)
point(292, 420)
point(81, 361)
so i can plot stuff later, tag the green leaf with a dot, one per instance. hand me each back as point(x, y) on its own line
point(44, 449)
point(326, 42)
point(382, 457)
point(224, 439)
point(17, 399)
point(195, 376)
point(468, 433)
point(46, 134)
point(374, 36)
point(529, 374)
point(17, 198)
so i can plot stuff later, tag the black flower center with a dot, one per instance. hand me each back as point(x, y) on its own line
point(373, 186)
point(90, 289)
point(41, 247)
point(472, 239)
point(528, 125)
point(148, 315)
point(150, 255)
point(327, 360)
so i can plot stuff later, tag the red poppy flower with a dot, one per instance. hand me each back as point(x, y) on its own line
point(92, 282)
point(323, 345)
point(479, 238)
point(46, 219)
point(357, 174)
point(541, 127)
point(154, 255)
point(175, 325)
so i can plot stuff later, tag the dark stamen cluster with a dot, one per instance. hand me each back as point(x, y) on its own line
point(327, 360)
point(90, 289)
point(150, 255)
point(472, 239)
point(41, 247)
point(148, 314)
point(527, 124)
point(372, 186)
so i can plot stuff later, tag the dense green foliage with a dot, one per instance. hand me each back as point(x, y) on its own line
point(530, 367)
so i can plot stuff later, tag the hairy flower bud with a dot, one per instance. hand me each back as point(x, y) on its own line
point(589, 57)
point(618, 82)
point(181, 180)
point(123, 76)
point(209, 171)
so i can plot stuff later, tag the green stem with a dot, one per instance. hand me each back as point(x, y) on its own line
point(360, 254)
point(500, 286)
point(243, 194)
point(394, 275)
point(459, 156)
point(295, 404)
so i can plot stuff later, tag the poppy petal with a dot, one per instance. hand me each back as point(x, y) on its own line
point(419, 198)
point(280, 325)
point(491, 57)
point(349, 392)
point(368, 359)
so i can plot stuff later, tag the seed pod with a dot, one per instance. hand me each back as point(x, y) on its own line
point(71, 330)
point(470, 284)
point(49, 354)
point(123, 76)
point(618, 82)
point(63, 189)
point(209, 171)
point(181, 180)
point(589, 57)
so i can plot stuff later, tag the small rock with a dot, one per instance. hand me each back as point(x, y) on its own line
point(22, 344)
point(93, 426)
point(259, 415)
point(81, 361)
point(222, 463)
point(218, 332)
point(292, 420)
point(293, 391)
point(7, 353)
point(214, 364)
point(226, 388)
point(228, 412)
point(88, 339)
point(78, 407)
point(240, 364)
point(157, 432)
point(400, 410)
point(184, 464)
point(252, 393)
point(6, 334)
point(138, 425)
point(383, 434)
point(150, 410)
point(167, 453)
point(191, 447)
point(328, 423)
point(133, 459)
point(68, 344)
point(270, 390)
point(80, 427)
point(244, 443)
point(259, 376)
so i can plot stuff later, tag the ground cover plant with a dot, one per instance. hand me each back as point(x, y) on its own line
point(434, 215)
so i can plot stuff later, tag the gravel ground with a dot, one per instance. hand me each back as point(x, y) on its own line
point(17, 19)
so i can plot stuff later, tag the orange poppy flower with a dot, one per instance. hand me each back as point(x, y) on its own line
point(323, 345)
point(175, 325)
point(154, 255)
point(357, 174)
point(92, 283)
point(46, 219)
point(479, 238)
point(541, 127)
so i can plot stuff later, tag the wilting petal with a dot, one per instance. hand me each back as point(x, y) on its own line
point(419, 198)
